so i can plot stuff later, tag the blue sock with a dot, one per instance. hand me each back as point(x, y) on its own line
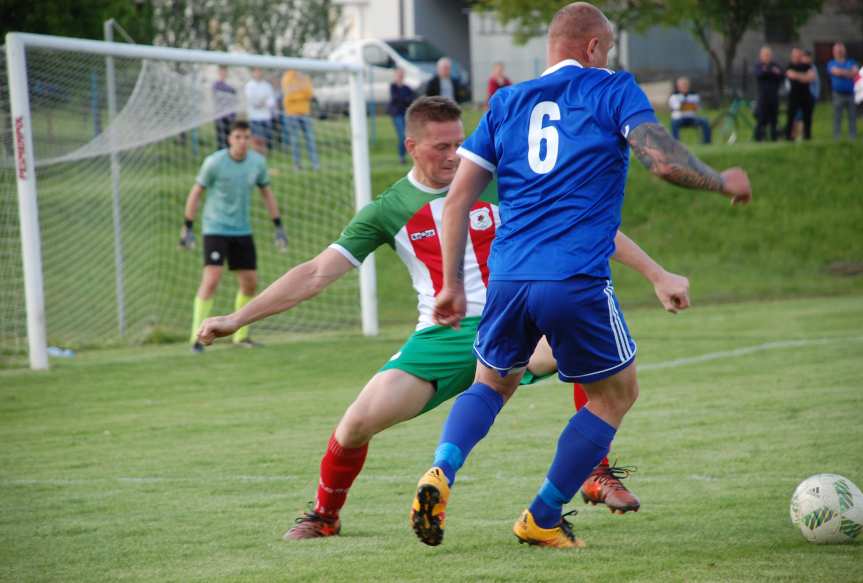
point(468, 422)
point(582, 444)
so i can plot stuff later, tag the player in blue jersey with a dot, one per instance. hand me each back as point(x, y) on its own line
point(560, 147)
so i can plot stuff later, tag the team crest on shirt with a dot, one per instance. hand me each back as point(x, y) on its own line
point(480, 219)
point(252, 176)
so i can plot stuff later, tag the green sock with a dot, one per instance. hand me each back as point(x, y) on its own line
point(202, 310)
point(241, 300)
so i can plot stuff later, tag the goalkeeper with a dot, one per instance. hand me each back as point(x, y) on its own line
point(436, 363)
point(229, 176)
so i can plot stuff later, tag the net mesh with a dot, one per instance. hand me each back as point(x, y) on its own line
point(164, 127)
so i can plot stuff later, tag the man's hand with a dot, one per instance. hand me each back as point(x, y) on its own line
point(672, 291)
point(735, 185)
point(281, 239)
point(450, 307)
point(217, 327)
point(187, 238)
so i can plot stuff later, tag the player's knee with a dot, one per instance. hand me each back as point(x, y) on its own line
point(629, 395)
point(355, 429)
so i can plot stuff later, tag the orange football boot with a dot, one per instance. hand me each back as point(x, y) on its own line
point(604, 486)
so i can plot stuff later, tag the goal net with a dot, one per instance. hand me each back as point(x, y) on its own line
point(117, 142)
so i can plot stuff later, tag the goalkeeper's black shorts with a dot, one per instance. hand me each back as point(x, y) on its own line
point(239, 251)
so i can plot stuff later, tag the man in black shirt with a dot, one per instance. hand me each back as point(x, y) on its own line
point(770, 77)
point(800, 74)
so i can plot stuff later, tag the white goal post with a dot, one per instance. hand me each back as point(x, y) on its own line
point(25, 161)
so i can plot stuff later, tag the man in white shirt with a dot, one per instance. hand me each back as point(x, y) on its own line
point(260, 103)
point(684, 106)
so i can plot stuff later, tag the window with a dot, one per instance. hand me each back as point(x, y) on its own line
point(416, 51)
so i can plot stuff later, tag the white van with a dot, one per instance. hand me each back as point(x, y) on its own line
point(416, 56)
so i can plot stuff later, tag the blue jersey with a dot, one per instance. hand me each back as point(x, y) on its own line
point(558, 145)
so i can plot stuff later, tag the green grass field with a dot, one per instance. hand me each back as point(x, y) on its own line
point(148, 463)
point(154, 464)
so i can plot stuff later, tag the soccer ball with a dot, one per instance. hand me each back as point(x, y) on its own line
point(827, 508)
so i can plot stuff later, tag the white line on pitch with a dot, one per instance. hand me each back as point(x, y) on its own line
point(737, 352)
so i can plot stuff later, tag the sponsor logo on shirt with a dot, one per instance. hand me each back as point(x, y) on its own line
point(420, 235)
point(480, 219)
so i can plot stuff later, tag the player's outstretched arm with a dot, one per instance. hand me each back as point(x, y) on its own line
point(671, 289)
point(467, 186)
point(670, 160)
point(301, 283)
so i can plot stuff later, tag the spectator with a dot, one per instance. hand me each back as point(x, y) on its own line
point(444, 84)
point(401, 96)
point(684, 110)
point(297, 93)
point(800, 75)
point(224, 96)
point(260, 102)
point(770, 77)
point(842, 72)
point(497, 80)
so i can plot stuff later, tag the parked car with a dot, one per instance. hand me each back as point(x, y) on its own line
point(416, 56)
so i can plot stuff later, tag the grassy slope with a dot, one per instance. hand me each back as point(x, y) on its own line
point(153, 464)
point(806, 215)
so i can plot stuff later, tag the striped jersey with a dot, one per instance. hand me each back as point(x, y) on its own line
point(407, 217)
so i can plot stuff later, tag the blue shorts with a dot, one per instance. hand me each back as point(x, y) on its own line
point(580, 317)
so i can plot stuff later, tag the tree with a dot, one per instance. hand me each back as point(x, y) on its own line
point(257, 26)
point(730, 19)
point(75, 18)
point(531, 17)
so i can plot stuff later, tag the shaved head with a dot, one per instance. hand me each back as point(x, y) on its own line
point(578, 31)
point(578, 21)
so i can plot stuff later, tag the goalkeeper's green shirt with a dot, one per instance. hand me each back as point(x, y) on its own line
point(229, 184)
point(407, 217)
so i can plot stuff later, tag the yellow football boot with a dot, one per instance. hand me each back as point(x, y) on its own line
point(429, 505)
point(559, 537)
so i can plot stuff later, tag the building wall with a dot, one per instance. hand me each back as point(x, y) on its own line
point(817, 35)
point(371, 18)
point(445, 24)
point(490, 43)
point(663, 53)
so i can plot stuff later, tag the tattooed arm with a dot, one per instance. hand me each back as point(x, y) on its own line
point(668, 159)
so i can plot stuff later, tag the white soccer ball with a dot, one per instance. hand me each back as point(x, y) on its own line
point(827, 508)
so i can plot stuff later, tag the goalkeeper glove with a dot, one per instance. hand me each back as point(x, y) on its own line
point(281, 236)
point(187, 236)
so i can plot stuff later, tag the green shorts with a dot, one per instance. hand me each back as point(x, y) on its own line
point(444, 357)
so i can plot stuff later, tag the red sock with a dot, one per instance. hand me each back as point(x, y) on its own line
point(580, 398)
point(339, 467)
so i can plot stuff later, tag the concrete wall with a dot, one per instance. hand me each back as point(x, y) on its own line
point(817, 35)
point(491, 43)
point(445, 24)
point(372, 18)
point(663, 53)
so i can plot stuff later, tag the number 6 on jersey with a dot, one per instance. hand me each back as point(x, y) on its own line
point(537, 134)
